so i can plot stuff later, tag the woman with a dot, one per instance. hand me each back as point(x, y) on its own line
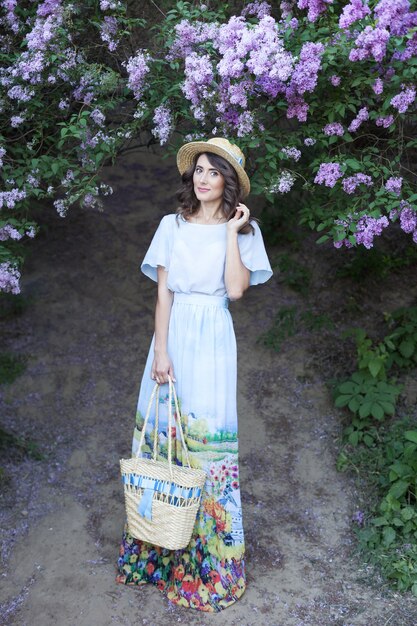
point(206, 254)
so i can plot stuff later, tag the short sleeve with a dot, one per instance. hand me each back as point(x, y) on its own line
point(159, 252)
point(254, 257)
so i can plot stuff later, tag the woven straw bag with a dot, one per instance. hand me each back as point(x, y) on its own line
point(161, 498)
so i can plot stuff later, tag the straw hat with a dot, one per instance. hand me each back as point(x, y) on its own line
point(229, 151)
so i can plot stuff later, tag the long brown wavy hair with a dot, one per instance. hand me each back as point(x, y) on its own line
point(232, 194)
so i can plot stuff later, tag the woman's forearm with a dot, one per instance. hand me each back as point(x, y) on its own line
point(162, 313)
point(236, 275)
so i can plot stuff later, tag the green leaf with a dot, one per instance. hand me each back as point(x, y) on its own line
point(353, 164)
point(399, 488)
point(342, 401)
point(388, 535)
point(377, 411)
point(406, 348)
point(354, 438)
point(374, 367)
point(348, 387)
point(365, 409)
point(411, 435)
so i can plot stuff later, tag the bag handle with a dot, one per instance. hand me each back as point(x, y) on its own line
point(177, 410)
point(155, 396)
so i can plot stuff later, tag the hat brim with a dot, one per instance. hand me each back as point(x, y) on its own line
point(187, 153)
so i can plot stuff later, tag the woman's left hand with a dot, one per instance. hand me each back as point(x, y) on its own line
point(240, 218)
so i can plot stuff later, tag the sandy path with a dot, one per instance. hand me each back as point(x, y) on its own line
point(87, 332)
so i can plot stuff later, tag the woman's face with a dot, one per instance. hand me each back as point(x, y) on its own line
point(208, 181)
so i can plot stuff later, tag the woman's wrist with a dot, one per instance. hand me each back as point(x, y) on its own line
point(160, 350)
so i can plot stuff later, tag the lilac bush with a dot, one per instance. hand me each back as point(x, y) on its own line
point(320, 94)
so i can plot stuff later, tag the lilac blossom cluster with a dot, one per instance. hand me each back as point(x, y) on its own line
point(367, 228)
point(362, 116)
point(9, 278)
point(352, 12)
point(371, 43)
point(408, 219)
point(394, 184)
point(385, 121)
point(314, 7)
point(108, 32)
point(137, 68)
point(292, 153)
point(163, 123)
point(282, 184)
point(404, 99)
point(328, 174)
point(350, 183)
point(251, 61)
point(333, 129)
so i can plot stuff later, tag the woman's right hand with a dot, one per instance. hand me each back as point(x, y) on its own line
point(162, 368)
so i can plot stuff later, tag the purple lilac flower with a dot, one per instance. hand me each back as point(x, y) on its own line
point(283, 183)
point(98, 117)
point(2, 153)
point(259, 9)
point(33, 181)
point(297, 107)
point(328, 174)
point(29, 67)
point(286, 8)
point(371, 42)
point(44, 29)
point(393, 184)
point(245, 124)
point(293, 23)
point(358, 517)
point(9, 278)
point(11, 17)
point(63, 104)
point(23, 94)
point(353, 12)
point(403, 100)
point(163, 123)
point(16, 120)
point(8, 232)
point(292, 153)
point(350, 183)
point(61, 207)
point(309, 141)
point(393, 15)
point(315, 7)
point(378, 86)
point(333, 129)
point(48, 7)
point(10, 198)
point(137, 68)
point(108, 31)
point(198, 77)
point(410, 49)
point(385, 121)
point(408, 217)
point(304, 77)
point(335, 80)
point(188, 36)
point(31, 232)
point(362, 116)
point(369, 227)
point(106, 4)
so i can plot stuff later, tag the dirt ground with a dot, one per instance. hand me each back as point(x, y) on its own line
point(86, 333)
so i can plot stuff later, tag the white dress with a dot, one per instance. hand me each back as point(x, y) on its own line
point(209, 574)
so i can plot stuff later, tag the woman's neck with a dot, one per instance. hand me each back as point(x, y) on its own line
point(209, 212)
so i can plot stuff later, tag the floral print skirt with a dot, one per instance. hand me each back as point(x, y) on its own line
point(209, 574)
